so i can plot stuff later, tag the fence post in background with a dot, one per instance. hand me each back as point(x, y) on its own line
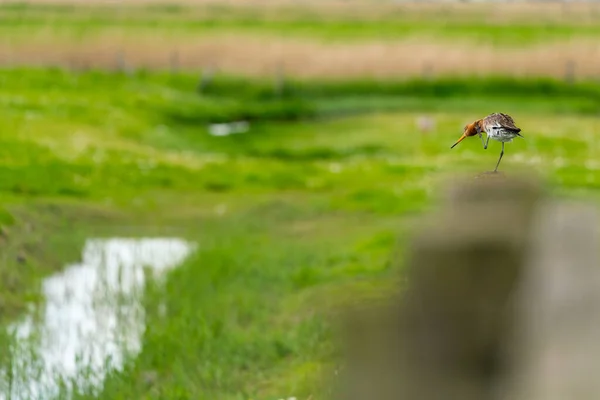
point(122, 64)
point(205, 79)
point(174, 62)
point(279, 83)
point(570, 72)
point(427, 71)
point(120, 61)
point(565, 10)
point(72, 65)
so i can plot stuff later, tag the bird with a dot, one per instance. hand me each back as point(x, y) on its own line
point(497, 126)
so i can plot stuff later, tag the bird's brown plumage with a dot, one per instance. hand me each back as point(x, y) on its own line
point(500, 120)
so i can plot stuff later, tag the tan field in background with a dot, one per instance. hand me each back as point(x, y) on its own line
point(263, 56)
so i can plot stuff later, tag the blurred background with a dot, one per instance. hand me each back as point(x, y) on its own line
point(280, 150)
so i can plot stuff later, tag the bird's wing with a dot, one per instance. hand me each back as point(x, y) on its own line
point(503, 120)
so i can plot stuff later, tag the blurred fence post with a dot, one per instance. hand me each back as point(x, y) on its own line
point(570, 72)
point(427, 70)
point(205, 79)
point(174, 62)
point(120, 61)
point(443, 338)
point(558, 354)
point(279, 83)
point(502, 302)
point(122, 64)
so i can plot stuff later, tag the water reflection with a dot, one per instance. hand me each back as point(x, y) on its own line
point(92, 319)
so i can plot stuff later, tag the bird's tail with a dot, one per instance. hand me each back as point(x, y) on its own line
point(516, 132)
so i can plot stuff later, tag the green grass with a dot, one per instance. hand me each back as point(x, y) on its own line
point(293, 219)
point(329, 31)
point(245, 306)
point(68, 21)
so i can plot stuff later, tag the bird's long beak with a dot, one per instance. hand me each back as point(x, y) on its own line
point(459, 140)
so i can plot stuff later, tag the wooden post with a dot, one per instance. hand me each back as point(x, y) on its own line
point(570, 72)
point(174, 62)
point(279, 83)
point(205, 79)
point(502, 303)
point(122, 64)
point(427, 70)
point(558, 354)
point(443, 338)
point(120, 61)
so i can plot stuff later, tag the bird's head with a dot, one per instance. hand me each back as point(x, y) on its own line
point(471, 129)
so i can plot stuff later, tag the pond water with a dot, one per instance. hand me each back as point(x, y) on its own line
point(92, 319)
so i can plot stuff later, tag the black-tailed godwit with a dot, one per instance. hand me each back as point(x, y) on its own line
point(497, 126)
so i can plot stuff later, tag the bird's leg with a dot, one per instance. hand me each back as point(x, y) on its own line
point(501, 154)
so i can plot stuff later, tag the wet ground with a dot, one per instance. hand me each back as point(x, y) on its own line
point(92, 318)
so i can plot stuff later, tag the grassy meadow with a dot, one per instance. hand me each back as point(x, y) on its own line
point(307, 211)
